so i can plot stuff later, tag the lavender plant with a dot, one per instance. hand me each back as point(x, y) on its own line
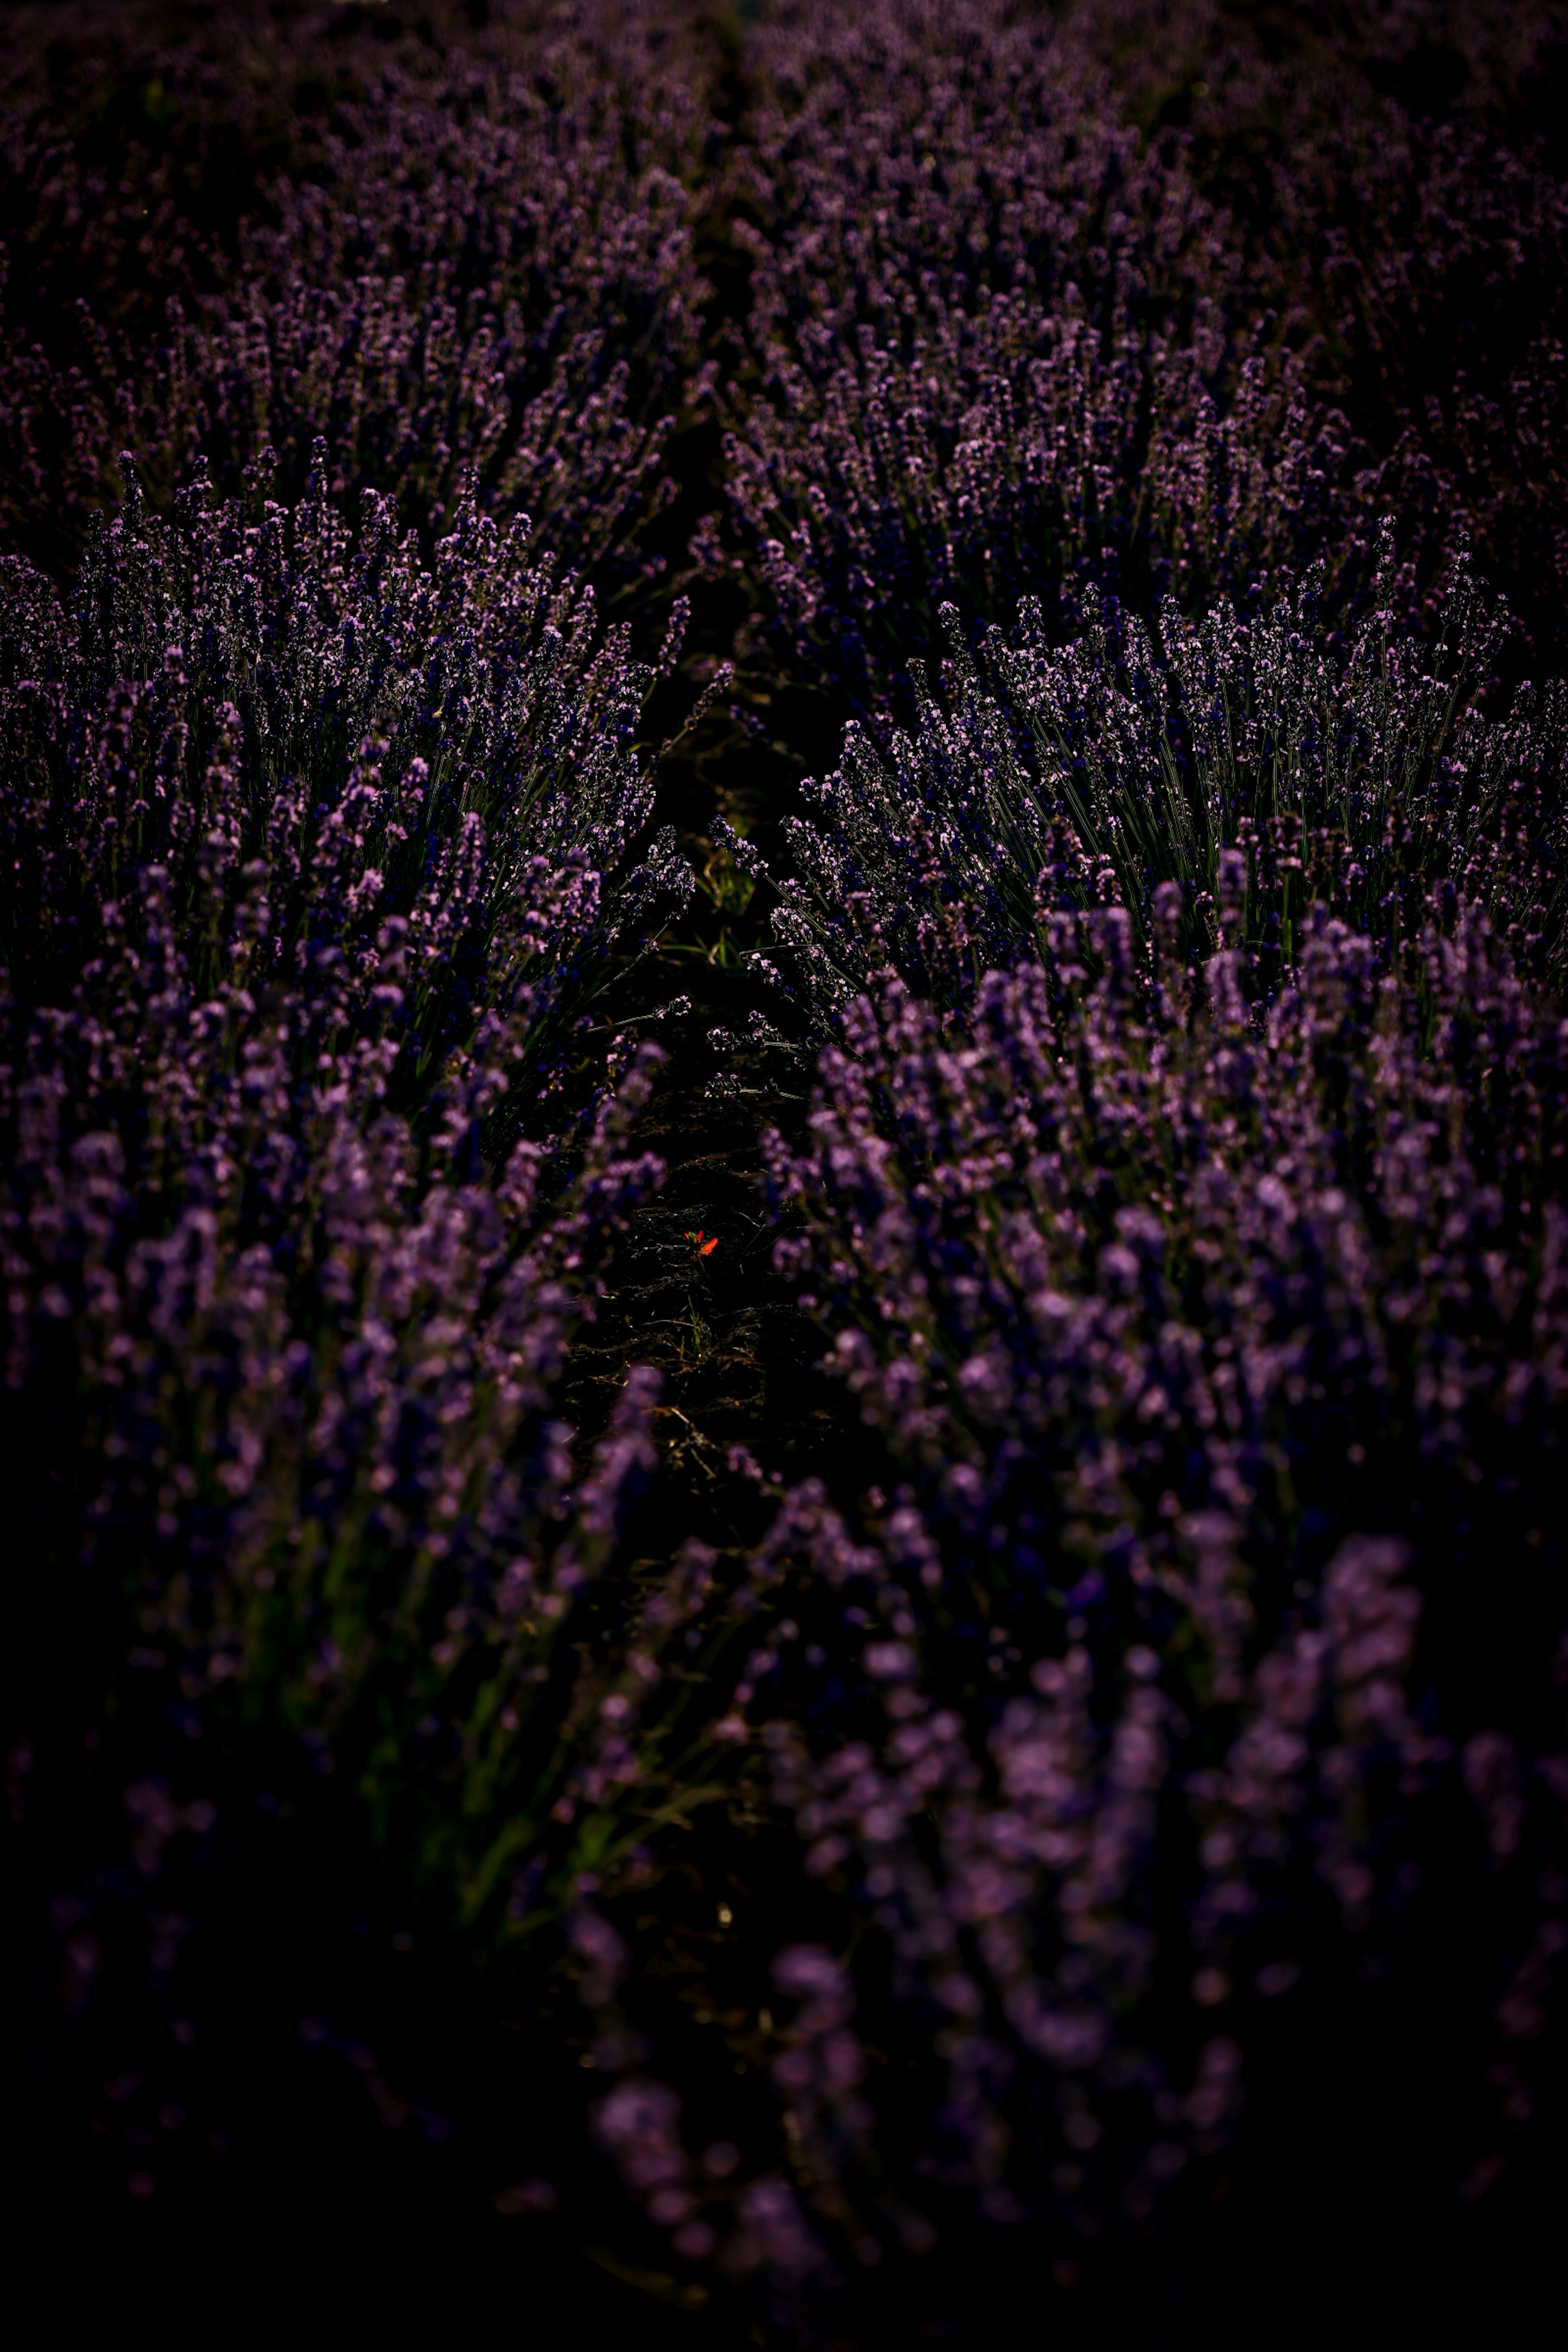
point(1393, 191)
point(315, 861)
point(1217, 781)
point(465, 271)
point(988, 336)
point(1005, 340)
point(1214, 1366)
point(511, 292)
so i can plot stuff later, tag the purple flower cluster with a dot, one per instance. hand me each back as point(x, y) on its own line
point(1003, 340)
point(1216, 1364)
point(315, 860)
point(989, 330)
point(474, 267)
point(1214, 782)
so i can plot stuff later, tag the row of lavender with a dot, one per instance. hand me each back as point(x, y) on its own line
point(1182, 1195)
point(327, 826)
point(1189, 1227)
point(983, 304)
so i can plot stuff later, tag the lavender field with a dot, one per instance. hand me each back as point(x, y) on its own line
point(784, 1078)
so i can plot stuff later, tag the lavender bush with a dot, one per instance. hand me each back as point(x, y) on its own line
point(1216, 783)
point(1214, 1365)
point(315, 861)
point(1398, 194)
point(997, 345)
point(1001, 340)
point(471, 268)
point(511, 292)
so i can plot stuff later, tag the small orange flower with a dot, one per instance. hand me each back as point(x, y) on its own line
point(700, 1248)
